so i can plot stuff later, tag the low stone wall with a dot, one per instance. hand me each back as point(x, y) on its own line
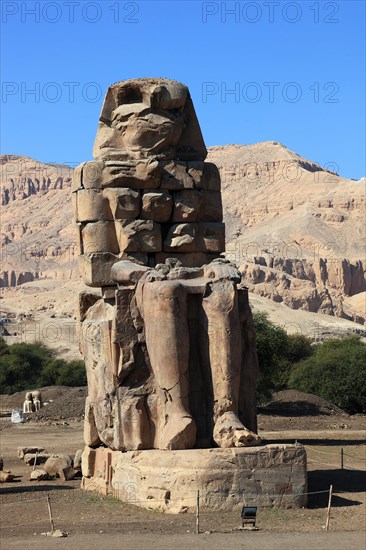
point(266, 476)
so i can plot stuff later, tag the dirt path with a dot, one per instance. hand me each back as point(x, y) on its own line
point(216, 541)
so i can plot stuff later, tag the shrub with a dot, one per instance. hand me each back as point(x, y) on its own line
point(278, 352)
point(27, 366)
point(337, 372)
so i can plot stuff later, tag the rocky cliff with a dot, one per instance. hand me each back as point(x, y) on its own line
point(315, 286)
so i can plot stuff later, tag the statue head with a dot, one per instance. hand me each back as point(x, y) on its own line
point(148, 118)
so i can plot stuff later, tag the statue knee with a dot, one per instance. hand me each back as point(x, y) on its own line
point(169, 289)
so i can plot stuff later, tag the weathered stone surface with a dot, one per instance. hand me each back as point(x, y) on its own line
point(6, 477)
point(99, 237)
point(175, 176)
point(187, 205)
point(95, 269)
point(22, 451)
point(269, 476)
point(211, 207)
point(189, 259)
point(211, 177)
point(40, 458)
point(39, 475)
point(124, 203)
point(127, 272)
point(138, 236)
point(157, 206)
point(157, 134)
point(77, 459)
point(193, 237)
point(88, 461)
point(100, 174)
point(67, 473)
point(57, 462)
point(92, 205)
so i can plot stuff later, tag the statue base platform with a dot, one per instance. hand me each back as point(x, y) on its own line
point(227, 479)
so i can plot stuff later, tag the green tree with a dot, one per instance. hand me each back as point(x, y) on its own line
point(28, 366)
point(337, 372)
point(272, 347)
point(278, 353)
point(73, 373)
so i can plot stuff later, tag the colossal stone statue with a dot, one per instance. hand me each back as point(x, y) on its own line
point(169, 345)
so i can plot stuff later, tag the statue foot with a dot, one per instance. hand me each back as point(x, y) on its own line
point(178, 433)
point(230, 432)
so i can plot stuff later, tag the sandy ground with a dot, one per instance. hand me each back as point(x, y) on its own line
point(92, 521)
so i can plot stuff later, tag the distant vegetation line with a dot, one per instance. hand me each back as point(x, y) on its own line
point(30, 366)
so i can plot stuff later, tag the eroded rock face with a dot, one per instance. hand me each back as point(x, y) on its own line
point(170, 345)
point(316, 286)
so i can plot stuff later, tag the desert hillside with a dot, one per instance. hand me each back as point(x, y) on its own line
point(296, 230)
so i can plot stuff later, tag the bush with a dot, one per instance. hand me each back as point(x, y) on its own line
point(277, 354)
point(337, 372)
point(28, 366)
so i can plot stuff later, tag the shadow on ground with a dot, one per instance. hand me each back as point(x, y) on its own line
point(342, 481)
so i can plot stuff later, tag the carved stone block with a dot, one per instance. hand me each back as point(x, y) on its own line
point(193, 237)
point(124, 203)
point(91, 206)
point(191, 259)
point(187, 204)
point(175, 176)
point(211, 207)
point(99, 236)
point(138, 236)
point(157, 206)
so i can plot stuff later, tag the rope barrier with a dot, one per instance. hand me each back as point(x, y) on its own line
point(321, 452)
point(324, 463)
point(335, 466)
point(333, 454)
point(354, 457)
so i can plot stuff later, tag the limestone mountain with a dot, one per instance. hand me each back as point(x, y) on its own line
point(296, 229)
point(37, 233)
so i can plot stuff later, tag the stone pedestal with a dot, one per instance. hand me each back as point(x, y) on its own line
point(266, 476)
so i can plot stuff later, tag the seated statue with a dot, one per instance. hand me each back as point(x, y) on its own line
point(37, 400)
point(169, 344)
point(28, 406)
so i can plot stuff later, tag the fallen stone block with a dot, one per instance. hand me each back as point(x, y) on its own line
point(40, 458)
point(29, 450)
point(6, 477)
point(39, 475)
point(77, 459)
point(57, 533)
point(57, 462)
point(68, 473)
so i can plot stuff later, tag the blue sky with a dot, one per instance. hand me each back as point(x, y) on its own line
point(295, 69)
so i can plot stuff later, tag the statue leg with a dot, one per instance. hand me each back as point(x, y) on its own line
point(221, 314)
point(164, 310)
